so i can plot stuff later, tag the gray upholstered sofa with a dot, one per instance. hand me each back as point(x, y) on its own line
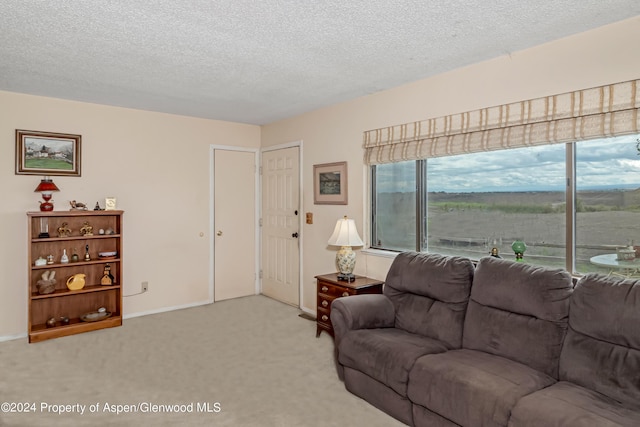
point(500, 344)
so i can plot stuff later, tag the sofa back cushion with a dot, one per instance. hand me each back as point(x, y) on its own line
point(519, 311)
point(430, 293)
point(602, 348)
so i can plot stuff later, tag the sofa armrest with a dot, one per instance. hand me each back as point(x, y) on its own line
point(361, 312)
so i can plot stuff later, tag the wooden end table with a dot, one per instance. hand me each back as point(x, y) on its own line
point(330, 288)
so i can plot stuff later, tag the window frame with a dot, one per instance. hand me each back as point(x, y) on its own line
point(422, 205)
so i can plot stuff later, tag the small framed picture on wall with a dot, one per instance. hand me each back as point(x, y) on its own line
point(47, 153)
point(330, 184)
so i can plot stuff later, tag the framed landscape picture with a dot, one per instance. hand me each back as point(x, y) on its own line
point(47, 153)
point(330, 184)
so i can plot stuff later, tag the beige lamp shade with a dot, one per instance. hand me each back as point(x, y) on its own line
point(345, 235)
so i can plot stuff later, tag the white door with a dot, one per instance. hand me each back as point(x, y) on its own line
point(280, 225)
point(234, 220)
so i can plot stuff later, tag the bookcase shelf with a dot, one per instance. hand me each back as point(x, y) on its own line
point(64, 303)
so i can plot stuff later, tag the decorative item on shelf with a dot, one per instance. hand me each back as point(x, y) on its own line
point(519, 248)
point(97, 207)
point(47, 284)
point(77, 206)
point(46, 187)
point(110, 204)
point(51, 322)
point(101, 231)
point(44, 228)
point(108, 255)
point(40, 262)
point(49, 259)
point(86, 229)
point(75, 257)
point(64, 320)
point(345, 235)
point(64, 259)
point(76, 282)
point(109, 231)
point(107, 277)
point(64, 230)
point(86, 253)
point(94, 316)
point(494, 253)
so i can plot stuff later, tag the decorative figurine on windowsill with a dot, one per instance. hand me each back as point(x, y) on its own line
point(494, 253)
point(518, 248)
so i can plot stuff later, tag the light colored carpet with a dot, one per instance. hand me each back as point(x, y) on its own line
point(252, 358)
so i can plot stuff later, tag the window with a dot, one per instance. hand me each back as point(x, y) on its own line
point(607, 199)
point(468, 204)
point(394, 206)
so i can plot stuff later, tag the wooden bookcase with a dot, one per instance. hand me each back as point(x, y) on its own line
point(73, 304)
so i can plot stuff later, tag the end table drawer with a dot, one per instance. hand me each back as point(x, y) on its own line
point(324, 316)
point(333, 290)
point(329, 288)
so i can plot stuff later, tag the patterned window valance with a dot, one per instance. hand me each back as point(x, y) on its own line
point(585, 114)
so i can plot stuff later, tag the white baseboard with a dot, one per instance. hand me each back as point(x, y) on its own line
point(12, 337)
point(308, 311)
point(165, 309)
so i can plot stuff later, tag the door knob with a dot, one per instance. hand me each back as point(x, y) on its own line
point(295, 235)
point(219, 233)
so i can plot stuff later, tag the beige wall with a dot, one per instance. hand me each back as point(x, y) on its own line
point(605, 55)
point(156, 165)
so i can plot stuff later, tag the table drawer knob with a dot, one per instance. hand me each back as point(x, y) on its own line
point(325, 289)
point(325, 303)
point(345, 294)
point(325, 318)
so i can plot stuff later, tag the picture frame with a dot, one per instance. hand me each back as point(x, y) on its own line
point(330, 184)
point(47, 153)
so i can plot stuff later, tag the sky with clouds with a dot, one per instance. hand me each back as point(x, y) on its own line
point(600, 164)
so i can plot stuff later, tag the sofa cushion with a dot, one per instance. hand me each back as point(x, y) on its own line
point(602, 348)
point(387, 355)
point(470, 387)
point(430, 294)
point(379, 395)
point(567, 404)
point(518, 311)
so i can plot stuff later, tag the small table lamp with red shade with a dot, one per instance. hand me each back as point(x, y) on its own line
point(46, 187)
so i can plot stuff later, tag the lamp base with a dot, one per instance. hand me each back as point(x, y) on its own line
point(46, 206)
point(350, 277)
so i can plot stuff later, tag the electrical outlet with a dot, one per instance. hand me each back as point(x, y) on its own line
point(145, 286)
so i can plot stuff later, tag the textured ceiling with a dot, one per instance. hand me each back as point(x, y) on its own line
point(261, 61)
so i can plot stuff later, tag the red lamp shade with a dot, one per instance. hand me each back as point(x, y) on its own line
point(46, 187)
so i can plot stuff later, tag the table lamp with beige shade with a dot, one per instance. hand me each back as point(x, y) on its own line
point(346, 236)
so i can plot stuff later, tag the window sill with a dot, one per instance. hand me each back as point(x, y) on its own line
point(379, 253)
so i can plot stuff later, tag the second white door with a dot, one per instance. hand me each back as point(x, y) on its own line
point(280, 225)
